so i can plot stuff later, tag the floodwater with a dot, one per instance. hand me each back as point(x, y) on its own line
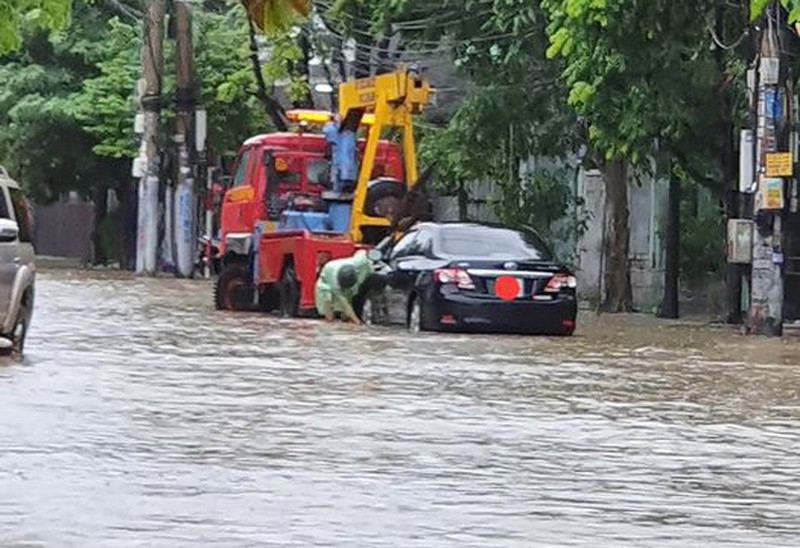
point(141, 417)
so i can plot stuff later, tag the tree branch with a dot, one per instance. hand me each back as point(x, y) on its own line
point(274, 109)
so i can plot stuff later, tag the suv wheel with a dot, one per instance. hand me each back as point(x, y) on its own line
point(20, 331)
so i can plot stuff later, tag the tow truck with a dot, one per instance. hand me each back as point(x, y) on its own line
point(280, 222)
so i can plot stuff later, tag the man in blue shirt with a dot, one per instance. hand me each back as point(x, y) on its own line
point(344, 162)
point(331, 132)
point(347, 162)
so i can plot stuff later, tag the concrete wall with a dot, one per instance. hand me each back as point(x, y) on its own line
point(647, 201)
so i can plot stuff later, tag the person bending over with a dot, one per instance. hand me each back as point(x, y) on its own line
point(339, 282)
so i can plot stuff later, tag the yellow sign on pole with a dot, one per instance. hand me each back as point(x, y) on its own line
point(779, 164)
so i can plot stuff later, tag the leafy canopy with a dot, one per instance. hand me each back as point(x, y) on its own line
point(19, 15)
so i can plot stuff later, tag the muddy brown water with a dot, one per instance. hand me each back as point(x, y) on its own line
point(141, 417)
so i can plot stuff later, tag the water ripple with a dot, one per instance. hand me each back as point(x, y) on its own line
point(142, 417)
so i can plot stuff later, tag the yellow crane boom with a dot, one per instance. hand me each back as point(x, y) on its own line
point(391, 100)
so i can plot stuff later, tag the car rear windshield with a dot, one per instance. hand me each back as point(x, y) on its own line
point(490, 242)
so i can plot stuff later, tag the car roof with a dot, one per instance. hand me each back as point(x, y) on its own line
point(463, 224)
point(438, 226)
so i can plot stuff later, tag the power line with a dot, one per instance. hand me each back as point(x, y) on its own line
point(419, 24)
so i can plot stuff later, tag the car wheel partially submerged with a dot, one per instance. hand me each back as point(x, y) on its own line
point(368, 311)
point(14, 343)
point(415, 323)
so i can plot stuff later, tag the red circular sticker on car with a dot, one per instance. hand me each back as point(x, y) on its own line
point(506, 288)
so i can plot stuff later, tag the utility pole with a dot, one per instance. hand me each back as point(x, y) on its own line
point(772, 167)
point(150, 104)
point(185, 208)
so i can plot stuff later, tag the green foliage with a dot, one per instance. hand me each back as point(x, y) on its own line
point(630, 89)
point(513, 109)
point(276, 17)
point(225, 78)
point(105, 105)
point(702, 252)
point(67, 103)
point(42, 143)
point(18, 16)
point(544, 203)
point(758, 7)
point(108, 231)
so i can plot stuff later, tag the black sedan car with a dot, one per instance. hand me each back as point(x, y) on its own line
point(470, 277)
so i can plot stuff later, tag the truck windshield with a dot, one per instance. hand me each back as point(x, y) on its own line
point(240, 175)
point(318, 172)
point(285, 169)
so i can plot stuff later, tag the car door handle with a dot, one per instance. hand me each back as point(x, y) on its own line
point(17, 260)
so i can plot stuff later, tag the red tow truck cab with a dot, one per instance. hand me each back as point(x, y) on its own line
point(268, 260)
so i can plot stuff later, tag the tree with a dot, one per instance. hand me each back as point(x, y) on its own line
point(228, 86)
point(633, 70)
point(67, 104)
point(511, 108)
point(758, 7)
point(19, 15)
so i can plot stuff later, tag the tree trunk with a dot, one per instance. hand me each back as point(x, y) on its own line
point(463, 202)
point(728, 167)
point(303, 66)
point(734, 273)
point(363, 64)
point(126, 233)
point(383, 63)
point(618, 293)
point(274, 109)
point(100, 200)
point(669, 302)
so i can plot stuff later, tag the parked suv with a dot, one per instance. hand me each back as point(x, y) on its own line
point(17, 269)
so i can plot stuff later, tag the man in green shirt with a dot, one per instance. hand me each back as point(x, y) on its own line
point(339, 282)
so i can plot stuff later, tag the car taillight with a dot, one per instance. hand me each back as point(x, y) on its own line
point(454, 276)
point(559, 282)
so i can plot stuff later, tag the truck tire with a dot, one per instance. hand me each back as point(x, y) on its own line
point(233, 290)
point(269, 298)
point(289, 293)
point(380, 189)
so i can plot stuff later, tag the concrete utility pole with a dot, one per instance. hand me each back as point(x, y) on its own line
point(150, 104)
point(184, 202)
point(772, 166)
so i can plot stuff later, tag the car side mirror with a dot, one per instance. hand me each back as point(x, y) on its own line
point(9, 231)
point(225, 181)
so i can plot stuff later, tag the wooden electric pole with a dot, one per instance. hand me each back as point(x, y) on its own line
point(185, 229)
point(150, 105)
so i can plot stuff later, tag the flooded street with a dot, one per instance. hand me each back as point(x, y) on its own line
point(142, 417)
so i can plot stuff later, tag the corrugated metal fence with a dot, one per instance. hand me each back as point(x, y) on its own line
point(64, 230)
